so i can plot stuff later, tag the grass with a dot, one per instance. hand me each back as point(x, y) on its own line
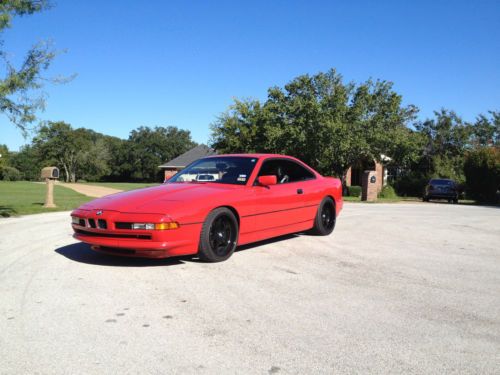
point(408, 199)
point(23, 197)
point(122, 185)
point(384, 200)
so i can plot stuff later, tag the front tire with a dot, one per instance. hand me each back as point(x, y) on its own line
point(324, 222)
point(219, 235)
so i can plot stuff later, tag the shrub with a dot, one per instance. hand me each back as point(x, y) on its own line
point(482, 173)
point(354, 191)
point(387, 192)
point(10, 174)
point(410, 185)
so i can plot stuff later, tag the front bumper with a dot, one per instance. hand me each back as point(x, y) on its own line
point(139, 243)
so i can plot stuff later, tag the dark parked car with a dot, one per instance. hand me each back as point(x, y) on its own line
point(441, 188)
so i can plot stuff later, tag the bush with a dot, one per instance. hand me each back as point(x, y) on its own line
point(354, 191)
point(10, 174)
point(410, 185)
point(387, 192)
point(482, 173)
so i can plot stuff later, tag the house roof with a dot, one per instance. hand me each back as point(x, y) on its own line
point(188, 157)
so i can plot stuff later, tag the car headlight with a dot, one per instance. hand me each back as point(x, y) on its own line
point(147, 226)
point(155, 226)
point(75, 220)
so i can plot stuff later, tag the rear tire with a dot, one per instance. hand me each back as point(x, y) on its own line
point(324, 222)
point(219, 235)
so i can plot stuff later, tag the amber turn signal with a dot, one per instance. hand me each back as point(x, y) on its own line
point(166, 226)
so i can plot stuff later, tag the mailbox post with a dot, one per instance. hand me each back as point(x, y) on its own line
point(50, 174)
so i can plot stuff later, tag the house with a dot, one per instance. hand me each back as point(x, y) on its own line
point(180, 162)
point(354, 175)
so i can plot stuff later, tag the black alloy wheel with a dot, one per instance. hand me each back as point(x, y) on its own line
point(328, 216)
point(324, 222)
point(219, 235)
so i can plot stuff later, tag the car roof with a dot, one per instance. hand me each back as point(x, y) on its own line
point(252, 156)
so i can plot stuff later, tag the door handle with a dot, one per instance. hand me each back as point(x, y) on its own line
point(300, 191)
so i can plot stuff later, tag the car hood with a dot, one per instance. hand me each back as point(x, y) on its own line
point(158, 199)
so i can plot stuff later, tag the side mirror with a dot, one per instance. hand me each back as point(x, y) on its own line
point(267, 180)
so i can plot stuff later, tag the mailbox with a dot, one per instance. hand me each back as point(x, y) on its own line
point(50, 172)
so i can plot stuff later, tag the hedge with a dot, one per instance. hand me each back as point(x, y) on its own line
point(387, 192)
point(354, 191)
point(482, 174)
point(10, 174)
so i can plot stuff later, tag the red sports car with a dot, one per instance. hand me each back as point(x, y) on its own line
point(210, 207)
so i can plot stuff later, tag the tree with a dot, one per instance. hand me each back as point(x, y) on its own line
point(20, 96)
point(58, 143)
point(150, 147)
point(486, 131)
point(27, 161)
point(120, 167)
point(4, 156)
point(320, 119)
point(95, 159)
point(447, 138)
point(482, 171)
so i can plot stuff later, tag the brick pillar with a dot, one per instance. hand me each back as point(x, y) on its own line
point(369, 188)
point(379, 169)
point(348, 177)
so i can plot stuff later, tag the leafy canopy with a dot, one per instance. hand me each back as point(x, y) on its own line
point(20, 96)
point(322, 120)
point(85, 154)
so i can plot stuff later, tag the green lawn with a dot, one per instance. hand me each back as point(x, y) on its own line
point(22, 197)
point(405, 199)
point(384, 200)
point(122, 185)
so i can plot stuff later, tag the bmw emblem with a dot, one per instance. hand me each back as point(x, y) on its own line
point(99, 212)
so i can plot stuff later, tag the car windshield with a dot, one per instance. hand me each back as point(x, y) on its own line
point(234, 170)
point(442, 182)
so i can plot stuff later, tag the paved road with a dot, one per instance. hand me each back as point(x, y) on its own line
point(397, 288)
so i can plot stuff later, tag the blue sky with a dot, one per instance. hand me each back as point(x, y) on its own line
point(182, 62)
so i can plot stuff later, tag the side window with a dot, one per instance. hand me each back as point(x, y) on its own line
point(296, 172)
point(285, 171)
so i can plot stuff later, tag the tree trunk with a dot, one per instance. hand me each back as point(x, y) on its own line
point(66, 172)
point(341, 172)
point(343, 179)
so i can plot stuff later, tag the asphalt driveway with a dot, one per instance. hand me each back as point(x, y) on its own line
point(397, 288)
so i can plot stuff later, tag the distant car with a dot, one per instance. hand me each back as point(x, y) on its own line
point(205, 177)
point(251, 197)
point(441, 188)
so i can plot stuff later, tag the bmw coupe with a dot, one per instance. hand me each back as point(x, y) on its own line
point(212, 206)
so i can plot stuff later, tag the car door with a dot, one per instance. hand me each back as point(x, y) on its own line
point(292, 200)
